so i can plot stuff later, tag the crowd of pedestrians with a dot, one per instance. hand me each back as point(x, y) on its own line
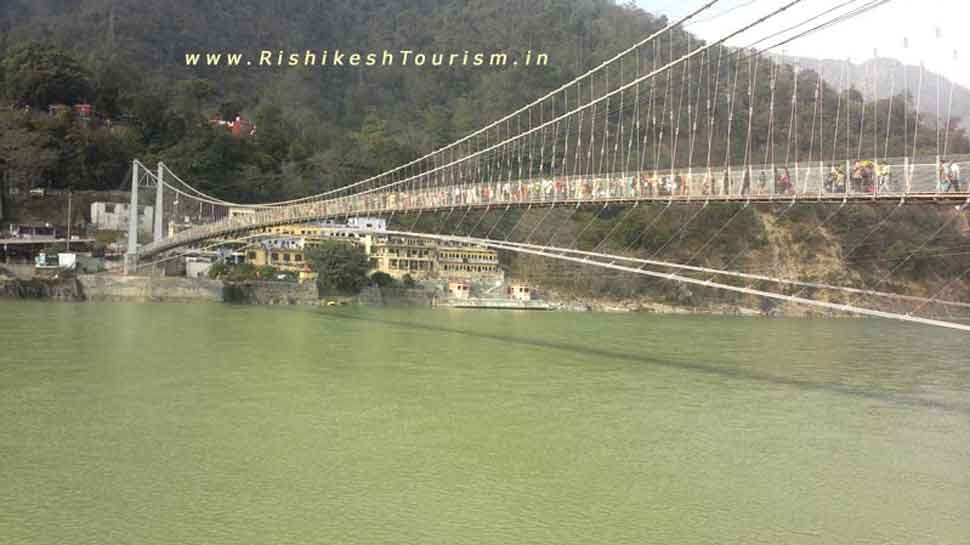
point(863, 177)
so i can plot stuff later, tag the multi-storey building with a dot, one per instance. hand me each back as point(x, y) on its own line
point(395, 255)
point(456, 260)
point(284, 253)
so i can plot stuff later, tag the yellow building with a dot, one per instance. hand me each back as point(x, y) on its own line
point(430, 259)
point(397, 256)
point(283, 254)
point(465, 261)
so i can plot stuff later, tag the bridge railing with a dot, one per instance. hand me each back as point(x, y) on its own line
point(820, 180)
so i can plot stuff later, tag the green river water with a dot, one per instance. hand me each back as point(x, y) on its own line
point(237, 425)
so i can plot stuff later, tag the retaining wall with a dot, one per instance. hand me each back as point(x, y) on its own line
point(271, 293)
point(104, 287)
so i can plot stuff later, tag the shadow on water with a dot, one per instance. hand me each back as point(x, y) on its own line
point(708, 369)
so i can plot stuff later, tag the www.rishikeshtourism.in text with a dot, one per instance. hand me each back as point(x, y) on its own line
point(338, 58)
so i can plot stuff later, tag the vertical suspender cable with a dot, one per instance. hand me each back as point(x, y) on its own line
point(838, 119)
point(606, 125)
point(635, 124)
point(862, 117)
point(579, 135)
point(565, 147)
point(889, 115)
point(875, 107)
point(712, 99)
point(919, 100)
point(619, 119)
point(949, 112)
point(752, 78)
point(732, 101)
point(770, 141)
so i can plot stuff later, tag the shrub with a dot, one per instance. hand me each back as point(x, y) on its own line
point(382, 279)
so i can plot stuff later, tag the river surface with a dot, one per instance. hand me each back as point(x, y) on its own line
point(237, 425)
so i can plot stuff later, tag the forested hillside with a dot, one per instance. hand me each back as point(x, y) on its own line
point(893, 76)
point(317, 127)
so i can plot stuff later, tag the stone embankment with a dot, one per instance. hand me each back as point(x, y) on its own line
point(141, 289)
point(270, 293)
point(145, 289)
point(58, 290)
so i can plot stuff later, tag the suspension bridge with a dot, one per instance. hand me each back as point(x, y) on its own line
point(670, 121)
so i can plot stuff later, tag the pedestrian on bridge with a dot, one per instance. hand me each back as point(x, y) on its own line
point(786, 185)
point(953, 177)
point(884, 176)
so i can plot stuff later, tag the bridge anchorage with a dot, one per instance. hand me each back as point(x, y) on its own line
point(669, 122)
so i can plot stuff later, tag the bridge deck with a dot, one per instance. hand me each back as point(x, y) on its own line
point(435, 201)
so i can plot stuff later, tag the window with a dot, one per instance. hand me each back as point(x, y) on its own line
point(298, 258)
point(286, 258)
point(251, 256)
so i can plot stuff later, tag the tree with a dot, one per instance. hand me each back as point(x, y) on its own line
point(272, 133)
point(194, 93)
point(109, 84)
point(28, 154)
point(382, 279)
point(39, 75)
point(151, 118)
point(340, 266)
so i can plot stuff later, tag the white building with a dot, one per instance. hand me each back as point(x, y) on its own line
point(110, 216)
point(197, 267)
point(519, 292)
point(368, 224)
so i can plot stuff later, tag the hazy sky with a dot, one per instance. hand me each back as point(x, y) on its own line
point(884, 28)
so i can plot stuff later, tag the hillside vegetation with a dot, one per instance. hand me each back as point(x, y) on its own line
point(317, 127)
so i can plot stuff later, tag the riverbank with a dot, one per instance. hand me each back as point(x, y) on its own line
point(37, 288)
point(162, 289)
point(159, 289)
point(169, 289)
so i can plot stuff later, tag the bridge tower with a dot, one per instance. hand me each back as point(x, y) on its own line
point(157, 227)
point(137, 170)
point(131, 257)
